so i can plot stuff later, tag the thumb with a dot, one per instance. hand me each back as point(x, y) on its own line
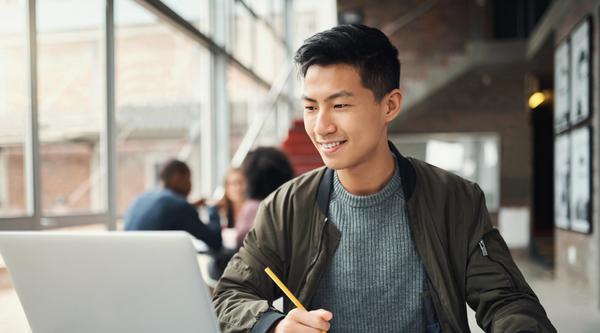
point(326, 315)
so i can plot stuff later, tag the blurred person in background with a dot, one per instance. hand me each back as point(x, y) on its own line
point(233, 200)
point(265, 168)
point(168, 209)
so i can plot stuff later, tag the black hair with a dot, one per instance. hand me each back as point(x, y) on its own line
point(266, 169)
point(171, 168)
point(367, 49)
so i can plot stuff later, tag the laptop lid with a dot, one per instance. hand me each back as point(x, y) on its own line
point(108, 282)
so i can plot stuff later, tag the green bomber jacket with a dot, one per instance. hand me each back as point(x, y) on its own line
point(465, 258)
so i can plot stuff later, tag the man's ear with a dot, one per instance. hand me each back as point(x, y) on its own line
point(392, 103)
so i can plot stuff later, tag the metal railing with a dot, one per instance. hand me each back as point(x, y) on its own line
point(258, 122)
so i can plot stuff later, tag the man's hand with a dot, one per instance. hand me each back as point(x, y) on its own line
point(199, 203)
point(302, 321)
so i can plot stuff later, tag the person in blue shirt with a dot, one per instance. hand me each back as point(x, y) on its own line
point(168, 209)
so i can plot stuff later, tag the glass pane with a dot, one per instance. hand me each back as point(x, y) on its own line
point(14, 105)
point(270, 55)
point(278, 17)
point(262, 8)
point(245, 99)
point(243, 38)
point(197, 12)
point(71, 76)
point(162, 86)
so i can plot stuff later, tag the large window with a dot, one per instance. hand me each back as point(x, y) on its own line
point(91, 111)
point(71, 104)
point(14, 104)
point(162, 87)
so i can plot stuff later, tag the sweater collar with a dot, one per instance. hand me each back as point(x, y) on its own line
point(405, 169)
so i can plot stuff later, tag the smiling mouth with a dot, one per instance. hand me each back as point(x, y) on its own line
point(332, 145)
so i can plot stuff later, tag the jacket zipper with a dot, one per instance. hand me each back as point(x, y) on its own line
point(483, 248)
point(485, 253)
point(312, 263)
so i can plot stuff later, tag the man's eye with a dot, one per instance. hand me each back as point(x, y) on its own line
point(341, 106)
point(309, 108)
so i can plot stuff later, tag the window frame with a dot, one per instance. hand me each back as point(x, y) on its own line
point(215, 124)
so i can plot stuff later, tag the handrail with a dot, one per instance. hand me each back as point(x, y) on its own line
point(259, 121)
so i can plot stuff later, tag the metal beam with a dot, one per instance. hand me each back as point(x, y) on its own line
point(32, 147)
point(65, 221)
point(18, 223)
point(110, 129)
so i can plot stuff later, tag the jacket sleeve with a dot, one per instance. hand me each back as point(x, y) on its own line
point(495, 288)
point(244, 295)
point(190, 221)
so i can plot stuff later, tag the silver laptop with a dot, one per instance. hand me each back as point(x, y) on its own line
point(108, 282)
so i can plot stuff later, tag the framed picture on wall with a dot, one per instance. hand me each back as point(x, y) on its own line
point(581, 80)
point(562, 83)
point(562, 179)
point(581, 180)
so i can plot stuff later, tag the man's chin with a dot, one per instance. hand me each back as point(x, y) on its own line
point(332, 164)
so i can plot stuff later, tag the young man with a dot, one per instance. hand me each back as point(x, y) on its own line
point(374, 242)
point(168, 208)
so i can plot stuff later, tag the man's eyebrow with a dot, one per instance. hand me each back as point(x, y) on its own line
point(306, 98)
point(342, 93)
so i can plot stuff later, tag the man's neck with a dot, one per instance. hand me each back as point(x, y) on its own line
point(175, 192)
point(369, 177)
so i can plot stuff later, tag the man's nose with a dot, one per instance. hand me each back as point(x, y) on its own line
point(324, 124)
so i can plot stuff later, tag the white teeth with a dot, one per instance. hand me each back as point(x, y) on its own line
point(331, 145)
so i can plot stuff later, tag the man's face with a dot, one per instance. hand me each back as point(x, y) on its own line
point(342, 118)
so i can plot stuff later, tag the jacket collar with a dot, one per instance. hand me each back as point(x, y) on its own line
point(407, 174)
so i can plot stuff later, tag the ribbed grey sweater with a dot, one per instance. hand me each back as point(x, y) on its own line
point(375, 280)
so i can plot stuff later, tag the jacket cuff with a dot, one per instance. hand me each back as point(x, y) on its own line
point(266, 321)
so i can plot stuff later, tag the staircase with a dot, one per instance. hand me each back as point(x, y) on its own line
point(449, 68)
point(299, 149)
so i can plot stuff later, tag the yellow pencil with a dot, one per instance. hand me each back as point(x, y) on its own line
point(285, 290)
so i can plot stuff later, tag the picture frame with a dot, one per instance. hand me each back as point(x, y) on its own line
point(562, 181)
point(580, 72)
point(580, 205)
point(562, 83)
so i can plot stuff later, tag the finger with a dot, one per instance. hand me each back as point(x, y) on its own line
point(306, 329)
point(310, 319)
point(290, 325)
point(326, 315)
